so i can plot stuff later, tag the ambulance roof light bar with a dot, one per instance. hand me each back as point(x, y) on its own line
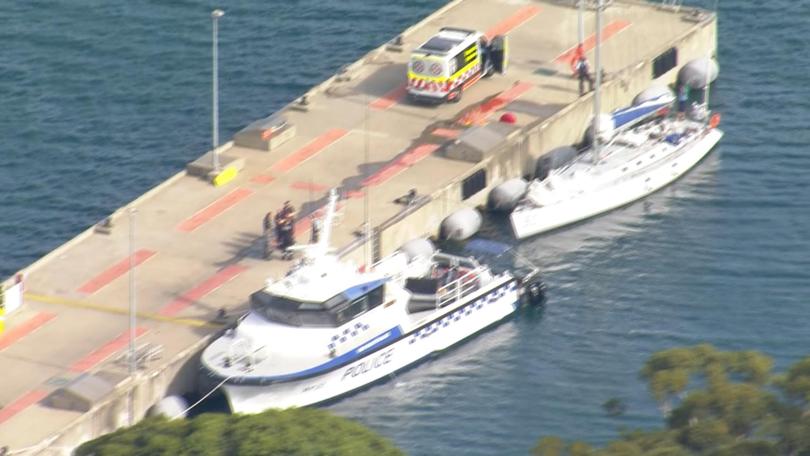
point(457, 30)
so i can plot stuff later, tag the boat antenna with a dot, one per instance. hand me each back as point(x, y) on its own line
point(598, 83)
point(366, 223)
point(328, 220)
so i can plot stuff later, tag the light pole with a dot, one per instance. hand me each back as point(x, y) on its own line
point(215, 15)
point(132, 314)
point(598, 84)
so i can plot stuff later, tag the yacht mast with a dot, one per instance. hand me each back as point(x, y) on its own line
point(598, 83)
point(706, 90)
point(708, 75)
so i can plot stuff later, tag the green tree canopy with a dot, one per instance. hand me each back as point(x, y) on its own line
point(287, 432)
point(796, 382)
point(717, 403)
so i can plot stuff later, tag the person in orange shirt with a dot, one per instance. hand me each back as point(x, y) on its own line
point(579, 65)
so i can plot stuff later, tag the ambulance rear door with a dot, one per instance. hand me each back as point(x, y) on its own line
point(427, 75)
point(499, 53)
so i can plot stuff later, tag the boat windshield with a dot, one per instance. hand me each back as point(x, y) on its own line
point(333, 312)
point(290, 311)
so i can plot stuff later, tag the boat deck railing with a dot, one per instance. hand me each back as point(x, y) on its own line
point(468, 280)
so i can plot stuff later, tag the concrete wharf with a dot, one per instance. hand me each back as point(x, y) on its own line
point(199, 246)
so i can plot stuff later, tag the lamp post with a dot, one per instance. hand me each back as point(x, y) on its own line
point(215, 15)
point(598, 83)
point(132, 314)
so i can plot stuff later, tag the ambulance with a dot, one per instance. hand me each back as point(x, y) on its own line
point(452, 60)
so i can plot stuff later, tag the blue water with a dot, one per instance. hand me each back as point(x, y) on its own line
point(104, 99)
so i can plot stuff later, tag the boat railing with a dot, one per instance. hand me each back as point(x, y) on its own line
point(461, 287)
point(460, 261)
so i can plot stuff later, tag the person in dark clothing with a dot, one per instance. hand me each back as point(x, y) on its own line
point(683, 100)
point(315, 231)
point(285, 224)
point(288, 208)
point(584, 74)
point(269, 235)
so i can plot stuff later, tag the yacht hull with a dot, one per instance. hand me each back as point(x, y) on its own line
point(529, 221)
point(436, 333)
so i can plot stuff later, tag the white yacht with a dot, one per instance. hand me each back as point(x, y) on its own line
point(639, 156)
point(635, 163)
point(327, 329)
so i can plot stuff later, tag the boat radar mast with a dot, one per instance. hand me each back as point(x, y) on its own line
point(321, 248)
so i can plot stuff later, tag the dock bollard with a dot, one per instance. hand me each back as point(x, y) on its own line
point(301, 104)
point(395, 45)
point(105, 226)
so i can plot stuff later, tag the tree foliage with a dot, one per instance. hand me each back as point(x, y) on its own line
point(287, 432)
point(717, 403)
point(796, 382)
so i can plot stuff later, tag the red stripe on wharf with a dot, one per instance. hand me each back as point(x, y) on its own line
point(21, 403)
point(195, 294)
point(105, 351)
point(214, 209)
point(115, 271)
point(608, 32)
point(27, 327)
point(512, 22)
point(305, 153)
point(389, 99)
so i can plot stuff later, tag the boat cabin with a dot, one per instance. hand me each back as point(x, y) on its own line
point(333, 312)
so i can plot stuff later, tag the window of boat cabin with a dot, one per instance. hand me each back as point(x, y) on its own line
point(313, 314)
point(290, 311)
point(359, 305)
point(335, 311)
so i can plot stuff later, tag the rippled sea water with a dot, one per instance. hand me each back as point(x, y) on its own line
point(104, 99)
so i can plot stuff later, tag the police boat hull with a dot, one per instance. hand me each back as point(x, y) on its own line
point(395, 350)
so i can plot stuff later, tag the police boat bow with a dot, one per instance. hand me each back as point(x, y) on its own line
point(327, 329)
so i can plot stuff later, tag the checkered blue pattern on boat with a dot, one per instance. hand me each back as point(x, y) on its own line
point(463, 311)
point(347, 335)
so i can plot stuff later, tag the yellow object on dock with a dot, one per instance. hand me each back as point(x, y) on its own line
point(225, 176)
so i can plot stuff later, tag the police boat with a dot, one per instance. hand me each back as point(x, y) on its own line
point(327, 329)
